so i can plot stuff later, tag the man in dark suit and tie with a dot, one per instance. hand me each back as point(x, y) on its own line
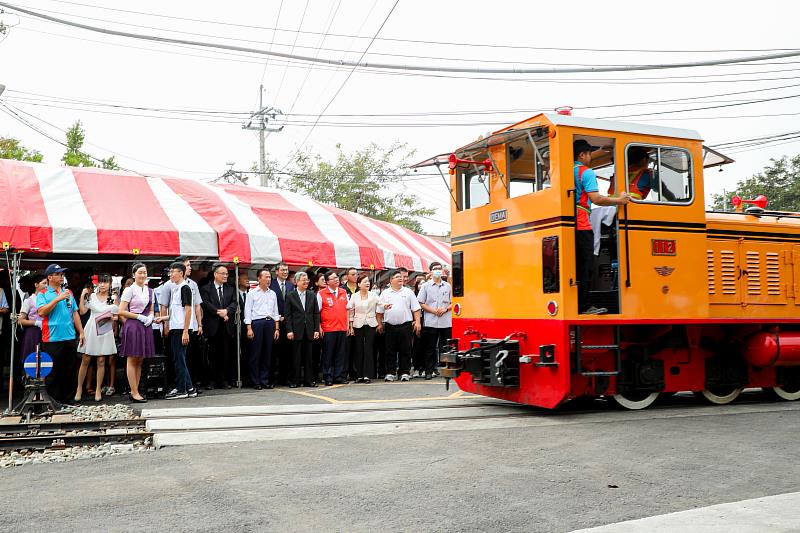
point(219, 311)
point(302, 328)
point(281, 349)
point(244, 348)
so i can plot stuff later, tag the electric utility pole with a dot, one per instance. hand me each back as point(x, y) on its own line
point(259, 122)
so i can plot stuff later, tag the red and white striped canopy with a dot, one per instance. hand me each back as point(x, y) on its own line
point(53, 209)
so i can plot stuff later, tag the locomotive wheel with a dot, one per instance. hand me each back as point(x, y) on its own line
point(789, 393)
point(720, 396)
point(635, 400)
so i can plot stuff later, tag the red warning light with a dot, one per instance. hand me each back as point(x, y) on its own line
point(552, 308)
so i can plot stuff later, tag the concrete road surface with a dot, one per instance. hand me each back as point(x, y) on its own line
point(583, 467)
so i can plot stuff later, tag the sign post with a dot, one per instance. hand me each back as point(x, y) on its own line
point(37, 366)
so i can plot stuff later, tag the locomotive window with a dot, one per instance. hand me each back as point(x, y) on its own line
point(659, 174)
point(458, 274)
point(528, 160)
point(473, 184)
point(550, 272)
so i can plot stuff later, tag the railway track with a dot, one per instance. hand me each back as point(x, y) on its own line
point(58, 435)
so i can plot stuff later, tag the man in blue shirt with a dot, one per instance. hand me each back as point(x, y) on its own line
point(586, 194)
point(60, 322)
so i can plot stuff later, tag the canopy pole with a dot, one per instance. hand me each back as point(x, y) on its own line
point(14, 274)
point(238, 323)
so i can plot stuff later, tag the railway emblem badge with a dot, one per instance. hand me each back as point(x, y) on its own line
point(664, 270)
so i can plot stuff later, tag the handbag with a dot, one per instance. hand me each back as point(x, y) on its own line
point(103, 323)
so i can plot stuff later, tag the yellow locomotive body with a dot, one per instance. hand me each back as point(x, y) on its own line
point(695, 301)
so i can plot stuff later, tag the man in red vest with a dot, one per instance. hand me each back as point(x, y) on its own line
point(332, 301)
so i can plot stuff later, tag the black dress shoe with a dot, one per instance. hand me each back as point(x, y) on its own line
point(226, 385)
point(312, 384)
point(140, 400)
point(340, 381)
point(293, 385)
point(258, 387)
point(328, 383)
point(270, 386)
point(210, 386)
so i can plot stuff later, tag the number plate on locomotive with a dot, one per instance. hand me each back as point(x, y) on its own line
point(664, 247)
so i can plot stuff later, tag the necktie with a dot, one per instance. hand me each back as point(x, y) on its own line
point(220, 294)
point(302, 300)
point(283, 289)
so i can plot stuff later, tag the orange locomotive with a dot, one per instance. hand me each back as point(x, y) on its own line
point(683, 299)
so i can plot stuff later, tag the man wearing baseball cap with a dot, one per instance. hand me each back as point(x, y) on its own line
point(585, 195)
point(60, 322)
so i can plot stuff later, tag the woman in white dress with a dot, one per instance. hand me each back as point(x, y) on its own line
point(99, 332)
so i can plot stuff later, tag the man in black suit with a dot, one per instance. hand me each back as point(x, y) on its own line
point(302, 328)
point(281, 349)
point(219, 311)
point(244, 346)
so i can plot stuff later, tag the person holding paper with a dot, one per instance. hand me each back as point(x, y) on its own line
point(99, 332)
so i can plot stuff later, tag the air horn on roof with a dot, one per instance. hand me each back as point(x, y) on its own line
point(757, 204)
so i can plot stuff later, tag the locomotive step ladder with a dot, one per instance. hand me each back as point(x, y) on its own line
point(580, 348)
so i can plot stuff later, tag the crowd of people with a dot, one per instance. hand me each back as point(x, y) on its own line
point(295, 329)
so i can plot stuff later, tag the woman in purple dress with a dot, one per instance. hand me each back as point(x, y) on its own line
point(30, 320)
point(136, 338)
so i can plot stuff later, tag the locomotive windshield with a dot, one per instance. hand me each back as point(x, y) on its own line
point(528, 160)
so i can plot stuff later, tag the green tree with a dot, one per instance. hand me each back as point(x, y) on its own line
point(779, 182)
point(11, 148)
point(363, 182)
point(74, 157)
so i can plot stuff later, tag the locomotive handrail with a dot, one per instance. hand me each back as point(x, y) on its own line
point(627, 249)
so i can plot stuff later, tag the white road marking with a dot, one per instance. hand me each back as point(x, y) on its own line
point(764, 515)
point(207, 425)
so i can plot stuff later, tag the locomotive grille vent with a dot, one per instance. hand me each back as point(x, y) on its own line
point(712, 287)
point(773, 268)
point(727, 260)
point(753, 273)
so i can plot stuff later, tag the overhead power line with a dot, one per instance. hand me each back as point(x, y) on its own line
point(418, 41)
point(399, 67)
point(228, 56)
point(319, 48)
point(35, 98)
point(339, 90)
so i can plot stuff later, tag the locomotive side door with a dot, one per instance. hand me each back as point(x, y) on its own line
point(662, 231)
point(604, 284)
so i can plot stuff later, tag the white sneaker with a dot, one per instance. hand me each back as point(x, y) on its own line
point(390, 377)
point(405, 377)
point(175, 395)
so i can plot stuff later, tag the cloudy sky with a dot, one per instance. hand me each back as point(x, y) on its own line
point(177, 110)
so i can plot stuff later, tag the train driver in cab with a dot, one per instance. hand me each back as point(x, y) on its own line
point(586, 194)
point(641, 179)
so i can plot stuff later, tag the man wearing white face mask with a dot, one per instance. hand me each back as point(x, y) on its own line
point(435, 298)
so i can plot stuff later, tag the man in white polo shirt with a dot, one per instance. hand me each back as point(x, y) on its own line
point(435, 297)
point(400, 321)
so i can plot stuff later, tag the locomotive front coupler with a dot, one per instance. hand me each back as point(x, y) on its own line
point(452, 361)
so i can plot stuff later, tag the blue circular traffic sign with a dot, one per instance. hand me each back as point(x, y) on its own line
point(45, 365)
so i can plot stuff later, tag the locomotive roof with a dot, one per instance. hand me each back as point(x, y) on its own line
point(626, 127)
point(521, 129)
